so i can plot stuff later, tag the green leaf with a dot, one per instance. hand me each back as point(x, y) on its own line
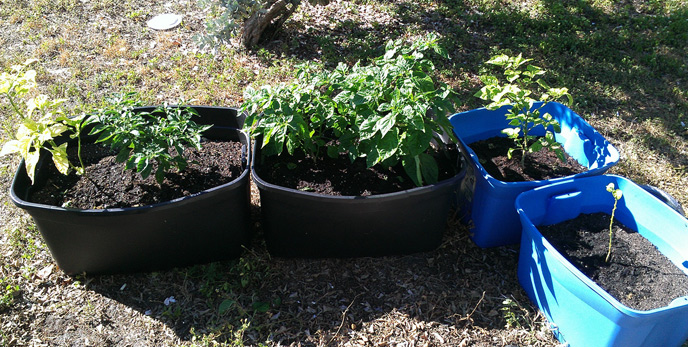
point(144, 167)
point(535, 147)
point(291, 146)
point(512, 132)
point(499, 60)
point(441, 51)
point(617, 194)
point(390, 53)
point(333, 152)
point(358, 100)
point(343, 97)
point(429, 168)
point(225, 306)
point(159, 174)
point(385, 124)
point(560, 154)
point(510, 153)
point(368, 128)
point(122, 155)
point(411, 165)
point(384, 107)
point(423, 82)
point(384, 148)
point(261, 307)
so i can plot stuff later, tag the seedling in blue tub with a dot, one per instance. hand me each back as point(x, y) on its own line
point(520, 82)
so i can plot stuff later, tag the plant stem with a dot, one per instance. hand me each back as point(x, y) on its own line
point(524, 146)
point(611, 222)
point(78, 153)
point(419, 174)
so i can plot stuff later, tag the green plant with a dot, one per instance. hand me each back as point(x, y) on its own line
point(514, 314)
point(617, 194)
point(9, 291)
point(519, 83)
point(40, 121)
point(143, 139)
point(387, 112)
point(226, 18)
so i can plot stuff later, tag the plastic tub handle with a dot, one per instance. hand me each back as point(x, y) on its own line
point(562, 206)
point(680, 301)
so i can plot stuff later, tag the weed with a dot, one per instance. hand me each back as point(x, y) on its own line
point(9, 292)
point(516, 316)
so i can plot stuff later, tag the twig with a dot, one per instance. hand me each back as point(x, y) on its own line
point(474, 309)
point(344, 318)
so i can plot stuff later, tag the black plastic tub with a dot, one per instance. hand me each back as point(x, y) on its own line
point(207, 226)
point(304, 224)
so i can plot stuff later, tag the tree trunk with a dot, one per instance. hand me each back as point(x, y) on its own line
point(276, 13)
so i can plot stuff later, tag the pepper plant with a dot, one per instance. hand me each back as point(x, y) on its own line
point(390, 111)
point(40, 121)
point(142, 139)
point(515, 88)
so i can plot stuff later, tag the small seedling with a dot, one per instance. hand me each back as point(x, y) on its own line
point(519, 84)
point(617, 194)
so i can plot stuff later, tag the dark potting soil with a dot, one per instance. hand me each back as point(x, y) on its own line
point(107, 184)
point(541, 165)
point(341, 177)
point(637, 274)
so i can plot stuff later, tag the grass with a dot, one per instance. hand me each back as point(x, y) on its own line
point(625, 63)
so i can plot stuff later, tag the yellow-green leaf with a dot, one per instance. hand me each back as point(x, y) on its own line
point(57, 129)
point(24, 146)
point(60, 158)
point(28, 126)
point(30, 162)
point(10, 147)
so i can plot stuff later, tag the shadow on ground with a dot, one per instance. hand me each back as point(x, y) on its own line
point(456, 288)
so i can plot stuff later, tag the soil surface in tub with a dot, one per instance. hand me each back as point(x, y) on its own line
point(541, 165)
point(637, 274)
point(340, 177)
point(107, 184)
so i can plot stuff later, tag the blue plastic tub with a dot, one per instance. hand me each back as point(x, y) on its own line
point(489, 202)
point(580, 312)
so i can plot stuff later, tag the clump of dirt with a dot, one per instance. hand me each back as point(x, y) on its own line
point(541, 165)
point(637, 274)
point(107, 184)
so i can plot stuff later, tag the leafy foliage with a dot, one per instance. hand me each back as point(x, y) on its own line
point(144, 138)
point(40, 121)
point(515, 89)
point(387, 112)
